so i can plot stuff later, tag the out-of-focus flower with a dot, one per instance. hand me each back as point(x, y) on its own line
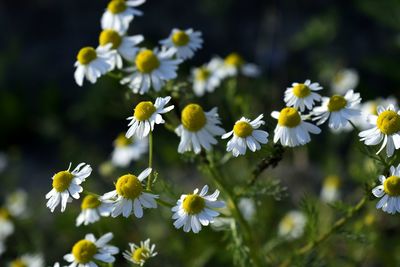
point(127, 149)
point(6, 225)
point(183, 43)
point(301, 95)
point(206, 78)
point(28, 260)
point(120, 13)
point(92, 208)
point(247, 207)
point(198, 129)
point(292, 225)
point(330, 189)
point(140, 254)
point(234, 64)
point(246, 134)
point(16, 203)
point(66, 184)
point(291, 130)
point(344, 80)
point(194, 210)
point(389, 191)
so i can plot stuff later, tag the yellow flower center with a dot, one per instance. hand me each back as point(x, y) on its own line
point(242, 129)
point(392, 186)
point(84, 250)
point(90, 202)
point(146, 61)
point(140, 254)
point(288, 223)
point(110, 36)
point(4, 214)
point(373, 109)
point(332, 181)
point(301, 90)
point(193, 204)
point(62, 180)
point(122, 141)
point(234, 59)
point(202, 74)
point(388, 122)
point(180, 38)
point(289, 117)
point(18, 263)
point(86, 55)
point(193, 117)
point(129, 186)
point(116, 6)
point(144, 110)
point(336, 103)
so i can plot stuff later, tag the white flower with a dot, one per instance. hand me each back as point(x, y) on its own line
point(198, 129)
point(140, 254)
point(194, 210)
point(145, 115)
point(291, 130)
point(389, 191)
point(6, 225)
point(344, 80)
point(206, 78)
point(120, 13)
point(234, 64)
point(127, 149)
point(28, 260)
point(301, 95)
point(92, 63)
point(152, 69)
point(370, 108)
point(338, 109)
point(16, 203)
point(245, 134)
point(129, 196)
point(386, 128)
point(330, 189)
point(183, 43)
point(56, 264)
point(292, 225)
point(66, 184)
point(88, 251)
point(125, 46)
point(247, 207)
point(92, 208)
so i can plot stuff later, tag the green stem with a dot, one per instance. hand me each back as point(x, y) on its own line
point(164, 203)
point(150, 160)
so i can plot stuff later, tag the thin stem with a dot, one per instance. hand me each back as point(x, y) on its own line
point(150, 160)
point(164, 203)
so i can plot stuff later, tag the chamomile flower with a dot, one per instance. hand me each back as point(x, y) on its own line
point(86, 252)
point(338, 109)
point(92, 208)
point(370, 108)
point(206, 78)
point(152, 69)
point(301, 95)
point(129, 196)
point(389, 191)
point(16, 203)
point(291, 130)
point(330, 189)
point(292, 225)
point(125, 46)
point(198, 129)
point(128, 149)
point(246, 134)
point(6, 224)
point(234, 64)
point(145, 115)
point(386, 128)
point(140, 254)
point(344, 80)
point(28, 260)
point(120, 13)
point(183, 43)
point(194, 210)
point(66, 184)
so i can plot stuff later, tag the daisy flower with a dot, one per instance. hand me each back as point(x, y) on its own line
point(120, 13)
point(330, 189)
point(344, 80)
point(301, 95)
point(92, 63)
point(92, 208)
point(194, 210)
point(125, 46)
point(386, 128)
point(6, 225)
point(28, 260)
point(152, 69)
point(66, 184)
point(129, 196)
point(145, 115)
point(140, 254)
point(183, 43)
point(88, 251)
point(127, 149)
point(389, 191)
point(338, 109)
point(206, 78)
point(291, 130)
point(198, 129)
point(292, 225)
point(370, 108)
point(245, 134)
point(16, 203)
point(234, 64)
